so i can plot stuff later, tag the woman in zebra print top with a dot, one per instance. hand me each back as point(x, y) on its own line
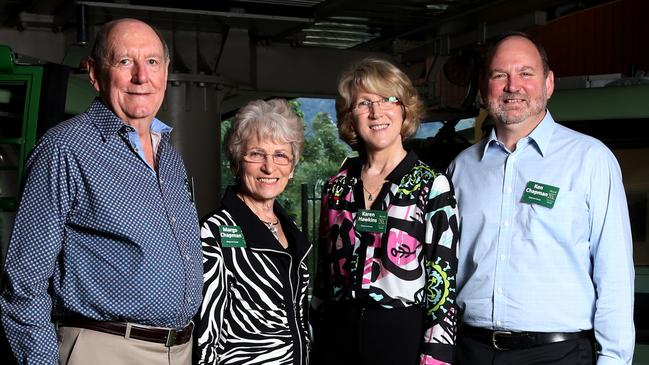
point(254, 256)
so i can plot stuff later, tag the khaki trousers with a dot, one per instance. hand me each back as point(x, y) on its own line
point(79, 346)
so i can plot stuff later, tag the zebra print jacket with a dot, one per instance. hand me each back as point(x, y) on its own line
point(254, 309)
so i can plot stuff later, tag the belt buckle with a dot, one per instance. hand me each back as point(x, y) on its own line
point(494, 341)
point(171, 338)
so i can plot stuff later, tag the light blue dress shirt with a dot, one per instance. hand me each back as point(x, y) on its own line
point(157, 129)
point(526, 267)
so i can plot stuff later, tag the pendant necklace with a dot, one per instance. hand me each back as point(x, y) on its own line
point(272, 227)
point(370, 196)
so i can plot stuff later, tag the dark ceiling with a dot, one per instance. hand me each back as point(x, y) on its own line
point(437, 40)
point(409, 28)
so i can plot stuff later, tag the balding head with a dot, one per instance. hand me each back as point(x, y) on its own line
point(101, 49)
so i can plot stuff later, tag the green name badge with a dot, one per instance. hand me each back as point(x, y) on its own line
point(231, 236)
point(371, 221)
point(541, 194)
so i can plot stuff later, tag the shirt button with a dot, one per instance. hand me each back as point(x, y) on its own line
point(509, 190)
point(173, 219)
point(502, 257)
point(506, 224)
point(500, 290)
point(498, 323)
point(187, 257)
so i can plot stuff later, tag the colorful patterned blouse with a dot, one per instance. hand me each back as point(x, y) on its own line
point(414, 262)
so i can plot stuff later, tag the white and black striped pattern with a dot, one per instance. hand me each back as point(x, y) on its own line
point(253, 312)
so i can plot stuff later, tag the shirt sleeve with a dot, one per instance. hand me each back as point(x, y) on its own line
point(612, 257)
point(215, 294)
point(441, 250)
point(34, 248)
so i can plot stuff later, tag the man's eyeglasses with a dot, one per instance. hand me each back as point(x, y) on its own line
point(386, 103)
point(279, 158)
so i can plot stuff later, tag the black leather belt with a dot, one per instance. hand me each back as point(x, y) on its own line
point(169, 337)
point(506, 340)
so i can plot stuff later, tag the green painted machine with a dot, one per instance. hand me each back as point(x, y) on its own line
point(20, 92)
point(32, 99)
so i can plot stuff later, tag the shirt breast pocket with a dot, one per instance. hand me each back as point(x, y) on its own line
point(564, 222)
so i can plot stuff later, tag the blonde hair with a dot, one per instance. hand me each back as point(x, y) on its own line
point(377, 76)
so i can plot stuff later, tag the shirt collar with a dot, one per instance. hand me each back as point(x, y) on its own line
point(256, 234)
point(108, 123)
point(397, 173)
point(403, 167)
point(489, 141)
point(157, 126)
point(540, 135)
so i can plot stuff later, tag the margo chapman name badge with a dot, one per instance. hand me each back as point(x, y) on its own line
point(374, 221)
point(541, 194)
point(231, 236)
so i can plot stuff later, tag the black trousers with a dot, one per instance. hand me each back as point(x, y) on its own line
point(574, 352)
point(353, 335)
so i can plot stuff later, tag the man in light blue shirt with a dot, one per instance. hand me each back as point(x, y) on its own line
point(546, 268)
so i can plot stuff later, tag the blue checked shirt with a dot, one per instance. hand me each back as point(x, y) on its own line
point(527, 267)
point(100, 234)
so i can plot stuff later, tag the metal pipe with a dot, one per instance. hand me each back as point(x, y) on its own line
point(82, 25)
point(305, 209)
point(195, 12)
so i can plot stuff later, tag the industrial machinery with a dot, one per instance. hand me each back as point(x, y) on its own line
point(32, 99)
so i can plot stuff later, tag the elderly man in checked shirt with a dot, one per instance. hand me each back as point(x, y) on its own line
point(104, 264)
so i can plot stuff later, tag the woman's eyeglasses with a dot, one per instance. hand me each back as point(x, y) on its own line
point(279, 158)
point(386, 103)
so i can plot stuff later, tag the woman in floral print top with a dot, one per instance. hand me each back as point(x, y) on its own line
point(385, 288)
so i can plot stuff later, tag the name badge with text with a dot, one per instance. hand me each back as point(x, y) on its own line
point(371, 221)
point(231, 236)
point(541, 194)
